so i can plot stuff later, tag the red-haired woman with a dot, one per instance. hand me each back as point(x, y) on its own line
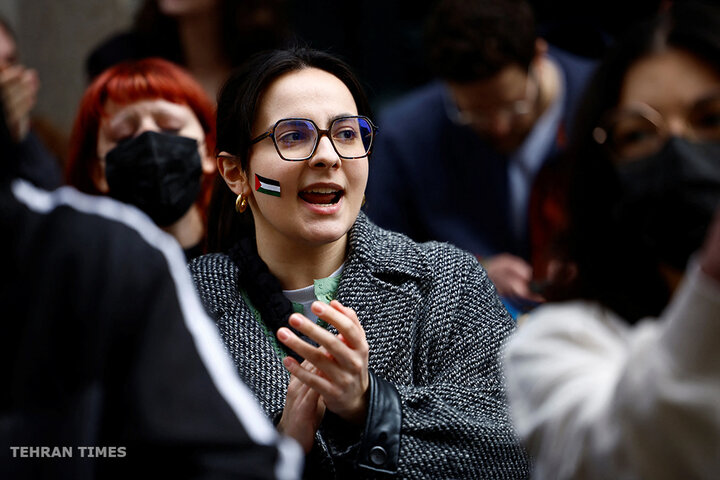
point(145, 135)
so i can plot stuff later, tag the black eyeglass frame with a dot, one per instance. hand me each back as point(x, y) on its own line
point(271, 133)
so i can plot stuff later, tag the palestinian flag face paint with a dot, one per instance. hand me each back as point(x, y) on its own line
point(267, 186)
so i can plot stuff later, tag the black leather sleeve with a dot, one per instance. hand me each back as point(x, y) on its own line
point(380, 446)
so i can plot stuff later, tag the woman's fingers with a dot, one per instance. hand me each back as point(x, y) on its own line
point(321, 357)
point(341, 360)
point(349, 312)
point(344, 320)
point(312, 379)
point(345, 395)
point(336, 349)
point(304, 410)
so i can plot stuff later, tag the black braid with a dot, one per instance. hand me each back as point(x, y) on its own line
point(263, 289)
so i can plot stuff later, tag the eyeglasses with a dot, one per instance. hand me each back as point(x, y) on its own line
point(640, 131)
point(296, 139)
point(511, 111)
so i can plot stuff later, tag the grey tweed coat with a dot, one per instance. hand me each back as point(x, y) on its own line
point(434, 325)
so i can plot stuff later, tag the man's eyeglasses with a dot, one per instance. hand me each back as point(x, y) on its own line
point(296, 139)
point(510, 111)
point(640, 131)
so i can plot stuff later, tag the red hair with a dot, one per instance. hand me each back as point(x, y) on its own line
point(129, 82)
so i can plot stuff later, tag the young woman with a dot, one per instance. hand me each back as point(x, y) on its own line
point(145, 135)
point(594, 392)
point(395, 370)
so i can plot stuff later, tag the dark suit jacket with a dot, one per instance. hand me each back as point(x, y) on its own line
point(435, 180)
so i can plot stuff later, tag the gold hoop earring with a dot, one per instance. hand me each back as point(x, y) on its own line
point(363, 201)
point(240, 203)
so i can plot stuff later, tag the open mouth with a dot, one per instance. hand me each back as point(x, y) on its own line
point(321, 196)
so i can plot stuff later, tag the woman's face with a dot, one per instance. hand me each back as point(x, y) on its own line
point(668, 157)
point(123, 122)
point(320, 197)
point(671, 93)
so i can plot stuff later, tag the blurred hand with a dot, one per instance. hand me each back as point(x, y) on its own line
point(18, 89)
point(304, 410)
point(512, 276)
point(342, 377)
point(710, 253)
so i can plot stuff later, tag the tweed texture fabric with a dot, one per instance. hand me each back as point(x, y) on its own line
point(435, 327)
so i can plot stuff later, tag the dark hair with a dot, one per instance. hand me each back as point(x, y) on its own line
point(237, 108)
point(614, 267)
point(247, 26)
point(474, 40)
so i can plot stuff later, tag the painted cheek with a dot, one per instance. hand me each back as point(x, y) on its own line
point(266, 185)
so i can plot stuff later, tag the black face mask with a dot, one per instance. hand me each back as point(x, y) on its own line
point(670, 198)
point(158, 173)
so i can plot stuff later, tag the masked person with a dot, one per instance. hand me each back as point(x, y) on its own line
point(143, 135)
point(622, 380)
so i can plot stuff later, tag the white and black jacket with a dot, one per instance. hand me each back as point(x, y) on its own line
point(434, 325)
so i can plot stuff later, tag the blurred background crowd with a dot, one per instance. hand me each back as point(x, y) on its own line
point(382, 40)
point(570, 148)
